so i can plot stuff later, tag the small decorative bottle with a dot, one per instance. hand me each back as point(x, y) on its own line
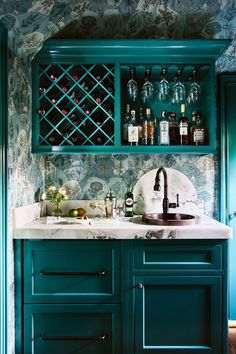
point(129, 202)
point(163, 130)
point(183, 127)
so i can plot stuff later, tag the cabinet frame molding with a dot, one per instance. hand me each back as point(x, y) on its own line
point(131, 52)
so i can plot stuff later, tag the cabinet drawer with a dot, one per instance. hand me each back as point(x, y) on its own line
point(82, 329)
point(177, 255)
point(72, 271)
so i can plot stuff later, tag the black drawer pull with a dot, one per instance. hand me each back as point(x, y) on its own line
point(43, 336)
point(101, 273)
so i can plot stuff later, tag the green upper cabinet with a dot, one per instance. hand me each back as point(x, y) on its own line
point(80, 94)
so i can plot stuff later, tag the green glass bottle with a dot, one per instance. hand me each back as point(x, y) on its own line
point(129, 202)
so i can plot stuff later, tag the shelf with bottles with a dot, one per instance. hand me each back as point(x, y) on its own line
point(159, 92)
point(75, 105)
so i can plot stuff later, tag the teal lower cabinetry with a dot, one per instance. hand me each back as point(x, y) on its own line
point(143, 297)
point(67, 329)
point(176, 314)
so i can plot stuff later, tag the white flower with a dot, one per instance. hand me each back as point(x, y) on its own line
point(62, 191)
point(44, 196)
point(65, 197)
point(51, 189)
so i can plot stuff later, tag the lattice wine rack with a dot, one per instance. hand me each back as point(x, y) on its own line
point(76, 105)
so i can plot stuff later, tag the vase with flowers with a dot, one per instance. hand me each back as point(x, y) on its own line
point(55, 196)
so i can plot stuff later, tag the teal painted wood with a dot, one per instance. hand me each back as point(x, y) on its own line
point(228, 174)
point(3, 194)
point(74, 260)
point(117, 52)
point(186, 298)
point(93, 328)
point(151, 256)
point(19, 298)
point(177, 314)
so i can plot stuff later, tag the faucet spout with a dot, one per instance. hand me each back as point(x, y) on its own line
point(157, 187)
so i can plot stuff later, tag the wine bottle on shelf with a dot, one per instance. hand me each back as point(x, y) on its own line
point(183, 127)
point(150, 128)
point(53, 77)
point(125, 124)
point(133, 130)
point(192, 126)
point(174, 129)
point(42, 89)
point(41, 112)
point(198, 132)
point(163, 130)
point(140, 126)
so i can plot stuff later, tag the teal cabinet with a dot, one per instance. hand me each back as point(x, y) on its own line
point(162, 296)
point(80, 94)
point(77, 329)
point(227, 95)
point(72, 272)
point(176, 314)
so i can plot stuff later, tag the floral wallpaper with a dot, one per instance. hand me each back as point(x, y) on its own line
point(30, 23)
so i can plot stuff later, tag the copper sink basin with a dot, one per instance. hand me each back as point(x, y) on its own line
point(175, 219)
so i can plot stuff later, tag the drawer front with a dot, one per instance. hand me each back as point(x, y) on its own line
point(71, 329)
point(177, 255)
point(72, 271)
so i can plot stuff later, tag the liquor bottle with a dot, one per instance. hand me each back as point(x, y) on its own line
point(174, 129)
point(163, 130)
point(193, 125)
point(150, 127)
point(140, 126)
point(125, 124)
point(145, 130)
point(129, 202)
point(133, 130)
point(199, 136)
point(183, 127)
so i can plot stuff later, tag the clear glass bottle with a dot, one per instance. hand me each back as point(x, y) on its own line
point(150, 128)
point(183, 127)
point(133, 130)
point(125, 124)
point(174, 129)
point(163, 130)
point(199, 134)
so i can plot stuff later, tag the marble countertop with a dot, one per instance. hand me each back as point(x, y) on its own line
point(122, 228)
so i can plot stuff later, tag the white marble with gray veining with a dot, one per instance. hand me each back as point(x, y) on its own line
point(123, 228)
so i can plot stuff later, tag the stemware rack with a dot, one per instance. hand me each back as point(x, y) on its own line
point(79, 91)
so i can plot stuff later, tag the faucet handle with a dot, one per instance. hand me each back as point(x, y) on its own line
point(175, 205)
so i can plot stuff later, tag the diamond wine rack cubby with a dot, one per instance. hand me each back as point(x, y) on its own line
point(80, 92)
point(76, 104)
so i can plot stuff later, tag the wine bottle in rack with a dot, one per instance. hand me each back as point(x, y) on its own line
point(125, 124)
point(174, 129)
point(183, 127)
point(133, 130)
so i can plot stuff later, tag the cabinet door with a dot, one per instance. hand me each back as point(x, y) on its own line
point(72, 329)
point(176, 314)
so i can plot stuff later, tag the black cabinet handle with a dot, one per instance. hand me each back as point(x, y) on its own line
point(101, 273)
point(43, 336)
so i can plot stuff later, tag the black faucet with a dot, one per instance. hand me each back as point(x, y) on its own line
point(157, 187)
